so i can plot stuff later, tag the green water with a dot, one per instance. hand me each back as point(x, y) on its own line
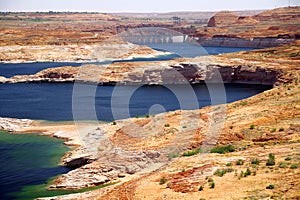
point(27, 161)
point(29, 164)
point(35, 191)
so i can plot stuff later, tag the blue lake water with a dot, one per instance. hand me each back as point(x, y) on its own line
point(190, 50)
point(53, 101)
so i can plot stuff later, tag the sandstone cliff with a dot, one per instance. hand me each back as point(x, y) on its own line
point(269, 28)
point(223, 18)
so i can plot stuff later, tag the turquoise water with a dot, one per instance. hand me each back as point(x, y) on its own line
point(28, 159)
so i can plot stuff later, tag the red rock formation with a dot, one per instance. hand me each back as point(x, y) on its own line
point(222, 18)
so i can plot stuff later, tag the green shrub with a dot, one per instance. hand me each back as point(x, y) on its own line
point(221, 172)
point(288, 158)
point(212, 185)
point(247, 172)
point(271, 186)
point(229, 164)
point(229, 170)
point(240, 162)
point(281, 129)
point(147, 115)
point(255, 161)
point(167, 125)
point(282, 165)
point(244, 103)
point(241, 175)
point(252, 126)
point(273, 130)
point(163, 180)
point(294, 166)
point(192, 152)
point(271, 160)
point(223, 149)
point(210, 180)
point(173, 155)
point(114, 123)
point(201, 188)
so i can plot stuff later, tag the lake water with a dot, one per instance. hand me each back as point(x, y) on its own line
point(28, 160)
point(53, 101)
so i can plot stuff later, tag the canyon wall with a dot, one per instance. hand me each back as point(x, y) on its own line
point(242, 42)
point(179, 73)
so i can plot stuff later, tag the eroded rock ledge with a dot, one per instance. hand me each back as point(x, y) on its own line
point(156, 73)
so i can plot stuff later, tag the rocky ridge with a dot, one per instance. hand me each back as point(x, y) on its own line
point(113, 49)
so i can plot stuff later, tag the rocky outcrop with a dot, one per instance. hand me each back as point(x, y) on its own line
point(243, 74)
point(110, 49)
point(13, 125)
point(267, 29)
point(280, 14)
point(178, 73)
point(80, 178)
point(115, 164)
point(223, 18)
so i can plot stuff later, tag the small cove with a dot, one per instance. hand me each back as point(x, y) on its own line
point(28, 159)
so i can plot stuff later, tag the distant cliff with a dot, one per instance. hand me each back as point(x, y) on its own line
point(242, 42)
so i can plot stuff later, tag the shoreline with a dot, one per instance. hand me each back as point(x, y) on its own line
point(162, 55)
point(77, 53)
point(265, 42)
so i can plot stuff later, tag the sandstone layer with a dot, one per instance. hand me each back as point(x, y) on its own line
point(108, 50)
point(266, 29)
